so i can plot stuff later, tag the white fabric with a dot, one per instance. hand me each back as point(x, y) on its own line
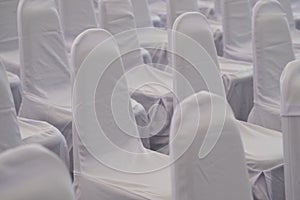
point(16, 131)
point(222, 174)
point(271, 54)
point(290, 113)
point(46, 75)
point(33, 173)
point(15, 87)
point(76, 16)
point(237, 76)
point(148, 85)
point(110, 160)
point(141, 13)
point(178, 7)
point(10, 134)
point(236, 22)
point(146, 37)
point(9, 47)
point(82, 46)
point(263, 147)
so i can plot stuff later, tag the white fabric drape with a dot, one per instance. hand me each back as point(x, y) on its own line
point(272, 48)
point(17, 131)
point(9, 43)
point(222, 174)
point(46, 75)
point(82, 46)
point(149, 86)
point(33, 173)
point(76, 16)
point(236, 23)
point(110, 160)
point(265, 165)
point(290, 115)
point(237, 76)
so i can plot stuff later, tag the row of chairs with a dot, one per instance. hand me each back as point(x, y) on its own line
point(101, 169)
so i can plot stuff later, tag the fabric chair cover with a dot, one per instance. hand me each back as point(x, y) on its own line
point(16, 131)
point(237, 76)
point(272, 52)
point(10, 133)
point(265, 165)
point(156, 42)
point(290, 113)
point(15, 87)
point(46, 75)
point(178, 7)
point(33, 173)
point(110, 160)
point(221, 174)
point(143, 16)
point(148, 85)
point(9, 43)
point(236, 22)
point(76, 16)
point(82, 46)
point(142, 13)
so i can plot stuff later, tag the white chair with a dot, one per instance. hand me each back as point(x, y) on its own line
point(236, 23)
point(237, 76)
point(32, 173)
point(143, 16)
point(153, 40)
point(16, 131)
point(82, 46)
point(178, 7)
point(272, 52)
point(290, 115)
point(148, 85)
point(76, 16)
point(15, 87)
point(263, 147)
point(46, 74)
point(9, 43)
point(220, 174)
point(110, 160)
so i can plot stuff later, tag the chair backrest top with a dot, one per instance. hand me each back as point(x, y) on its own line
point(44, 63)
point(271, 51)
point(195, 123)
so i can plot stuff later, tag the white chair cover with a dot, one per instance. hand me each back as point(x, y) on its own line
point(141, 13)
point(178, 7)
point(32, 173)
point(265, 165)
point(272, 52)
point(76, 16)
point(148, 85)
point(237, 76)
point(15, 87)
point(236, 22)
point(10, 133)
point(156, 42)
point(110, 160)
point(82, 46)
point(222, 174)
point(9, 43)
point(290, 113)
point(16, 131)
point(46, 75)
